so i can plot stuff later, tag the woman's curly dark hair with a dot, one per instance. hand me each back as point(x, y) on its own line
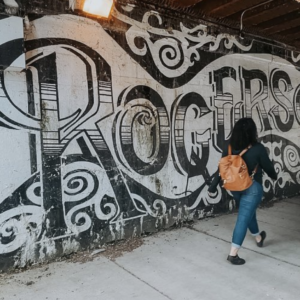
point(244, 133)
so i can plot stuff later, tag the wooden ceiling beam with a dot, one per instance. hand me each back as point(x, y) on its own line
point(292, 36)
point(291, 31)
point(283, 26)
point(274, 22)
point(276, 9)
point(207, 6)
point(234, 6)
point(266, 12)
point(186, 3)
point(297, 45)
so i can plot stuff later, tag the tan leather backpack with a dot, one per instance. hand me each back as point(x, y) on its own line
point(234, 171)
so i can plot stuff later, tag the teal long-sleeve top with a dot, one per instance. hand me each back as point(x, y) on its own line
point(258, 156)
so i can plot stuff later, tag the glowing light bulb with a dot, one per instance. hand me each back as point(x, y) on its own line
point(99, 8)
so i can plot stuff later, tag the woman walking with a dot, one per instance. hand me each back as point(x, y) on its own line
point(244, 136)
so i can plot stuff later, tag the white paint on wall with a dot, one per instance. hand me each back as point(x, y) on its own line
point(71, 118)
point(11, 3)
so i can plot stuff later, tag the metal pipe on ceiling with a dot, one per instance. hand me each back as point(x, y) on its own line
point(250, 8)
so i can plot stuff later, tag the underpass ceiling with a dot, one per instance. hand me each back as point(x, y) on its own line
point(278, 20)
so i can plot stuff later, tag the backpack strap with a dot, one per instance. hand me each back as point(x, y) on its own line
point(229, 150)
point(254, 172)
point(241, 154)
point(244, 151)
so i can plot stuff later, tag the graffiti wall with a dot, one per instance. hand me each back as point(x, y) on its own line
point(112, 131)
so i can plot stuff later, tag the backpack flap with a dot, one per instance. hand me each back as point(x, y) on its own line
point(234, 172)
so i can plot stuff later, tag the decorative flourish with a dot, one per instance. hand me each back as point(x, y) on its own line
point(177, 50)
point(106, 208)
point(282, 159)
point(82, 196)
point(33, 193)
point(295, 58)
point(205, 198)
point(19, 225)
point(268, 184)
point(283, 177)
point(292, 160)
point(159, 206)
point(81, 184)
point(21, 216)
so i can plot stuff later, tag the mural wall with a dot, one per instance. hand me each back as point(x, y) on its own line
point(109, 132)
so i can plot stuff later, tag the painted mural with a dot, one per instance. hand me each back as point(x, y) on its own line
point(111, 133)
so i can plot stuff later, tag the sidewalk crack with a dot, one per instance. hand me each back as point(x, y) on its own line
point(140, 279)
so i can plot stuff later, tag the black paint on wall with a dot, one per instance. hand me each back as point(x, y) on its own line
point(88, 182)
point(9, 51)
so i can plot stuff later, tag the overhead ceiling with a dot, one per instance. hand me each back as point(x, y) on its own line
point(276, 19)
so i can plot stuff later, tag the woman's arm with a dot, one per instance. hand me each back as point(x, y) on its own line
point(213, 186)
point(217, 178)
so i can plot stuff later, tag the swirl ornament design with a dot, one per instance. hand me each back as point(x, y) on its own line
point(84, 198)
point(292, 160)
point(19, 225)
point(34, 193)
point(21, 216)
point(296, 57)
point(176, 50)
point(285, 156)
point(204, 198)
point(81, 183)
point(159, 206)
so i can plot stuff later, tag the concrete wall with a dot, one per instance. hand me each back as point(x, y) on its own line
point(98, 126)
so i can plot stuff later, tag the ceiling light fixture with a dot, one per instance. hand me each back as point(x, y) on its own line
point(99, 8)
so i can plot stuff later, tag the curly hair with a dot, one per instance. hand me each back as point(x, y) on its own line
point(244, 133)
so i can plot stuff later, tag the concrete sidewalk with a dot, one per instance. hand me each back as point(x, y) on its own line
point(182, 264)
